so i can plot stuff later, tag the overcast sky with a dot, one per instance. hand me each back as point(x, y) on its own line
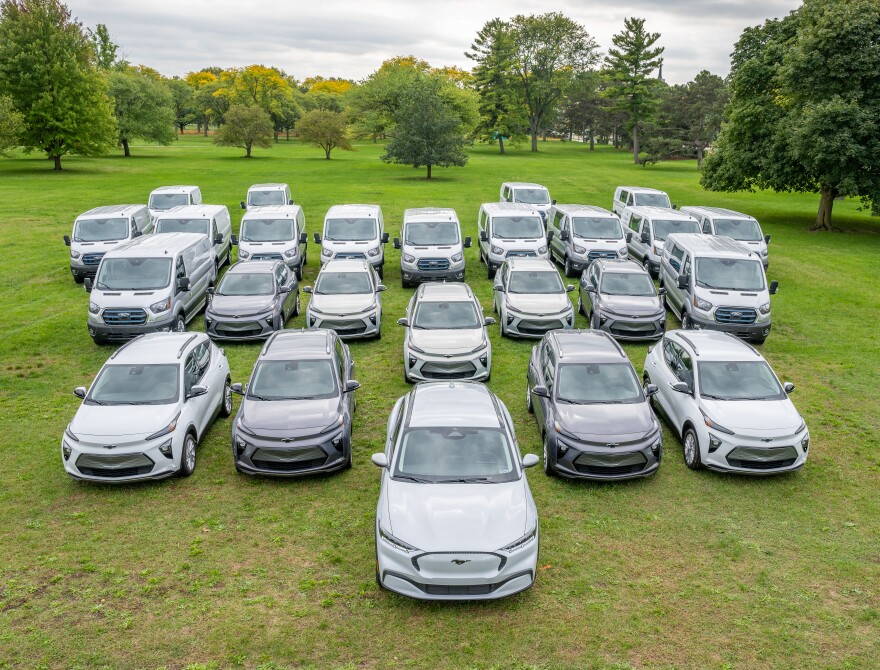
point(351, 39)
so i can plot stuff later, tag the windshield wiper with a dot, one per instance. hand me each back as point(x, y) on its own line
point(567, 401)
point(418, 480)
point(466, 480)
point(97, 402)
point(254, 396)
point(714, 397)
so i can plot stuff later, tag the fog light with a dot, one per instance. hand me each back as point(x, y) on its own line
point(92, 332)
point(412, 362)
point(560, 447)
point(270, 320)
point(373, 319)
point(484, 361)
point(312, 321)
point(240, 446)
point(337, 441)
point(602, 320)
point(66, 450)
point(656, 447)
point(509, 320)
point(165, 449)
point(805, 443)
point(714, 443)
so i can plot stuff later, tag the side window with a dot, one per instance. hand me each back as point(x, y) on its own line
point(624, 196)
point(550, 369)
point(279, 275)
point(629, 199)
point(635, 222)
point(685, 371)
point(191, 374)
point(686, 270)
point(395, 430)
point(203, 358)
point(669, 355)
point(566, 222)
point(707, 226)
point(557, 220)
point(675, 257)
point(181, 268)
point(594, 277)
point(213, 230)
point(340, 361)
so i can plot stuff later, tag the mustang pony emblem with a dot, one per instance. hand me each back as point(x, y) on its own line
point(459, 561)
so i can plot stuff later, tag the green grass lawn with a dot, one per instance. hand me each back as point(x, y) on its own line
point(683, 570)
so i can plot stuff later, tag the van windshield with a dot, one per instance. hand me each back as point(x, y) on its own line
point(742, 230)
point(267, 230)
point(663, 228)
point(517, 227)
point(259, 198)
point(343, 283)
point(100, 230)
point(653, 200)
point(604, 228)
point(183, 226)
point(535, 282)
point(247, 283)
point(351, 230)
point(133, 274)
point(424, 233)
point(627, 283)
point(163, 201)
point(454, 315)
point(532, 196)
point(733, 274)
point(135, 385)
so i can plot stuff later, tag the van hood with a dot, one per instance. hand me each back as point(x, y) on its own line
point(125, 423)
point(632, 305)
point(280, 418)
point(240, 305)
point(96, 247)
point(539, 304)
point(526, 244)
point(620, 422)
point(754, 417)
point(458, 517)
point(433, 251)
point(266, 247)
point(447, 340)
point(133, 299)
point(344, 304)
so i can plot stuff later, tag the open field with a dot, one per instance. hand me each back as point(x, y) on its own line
point(684, 570)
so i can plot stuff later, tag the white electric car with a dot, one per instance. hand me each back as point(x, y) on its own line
point(530, 298)
point(726, 403)
point(455, 518)
point(147, 409)
point(345, 298)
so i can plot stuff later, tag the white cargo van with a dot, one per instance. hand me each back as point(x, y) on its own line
point(101, 229)
point(274, 232)
point(646, 229)
point(579, 234)
point(431, 246)
point(354, 231)
point(639, 196)
point(259, 195)
point(509, 230)
point(715, 283)
point(743, 228)
point(211, 221)
point(535, 195)
point(168, 197)
point(150, 284)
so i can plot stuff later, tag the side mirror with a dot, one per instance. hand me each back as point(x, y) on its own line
point(551, 234)
point(541, 391)
point(183, 284)
point(499, 288)
point(683, 281)
point(210, 290)
point(774, 286)
point(674, 206)
point(87, 283)
point(680, 387)
point(384, 238)
point(351, 385)
point(303, 238)
point(489, 321)
point(661, 291)
point(381, 287)
point(380, 460)
point(651, 389)
point(218, 239)
point(467, 243)
point(237, 389)
point(646, 239)
point(766, 239)
point(196, 391)
point(530, 461)
point(284, 289)
point(396, 243)
point(589, 288)
point(629, 236)
point(80, 391)
point(234, 240)
point(290, 201)
point(317, 238)
point(569, 288)
point(243, 206)
point(553, 202)
point(67, 240)
point(564, 236)
point(403, 322)
point(788, 387)
point(307, 289)
point(483, 236)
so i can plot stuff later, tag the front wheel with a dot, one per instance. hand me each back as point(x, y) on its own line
point(529, 403)
point(188, 457)
point(548, 469)
point(691, 449)
point(569, 271)
point(381, 271)
point(686, 323)
point(179, 324)
point(226, 403)
point(594, 321)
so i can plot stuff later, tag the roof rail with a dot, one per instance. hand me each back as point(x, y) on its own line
point(269, 342)
point(616, 343)
point(693, 346)
point(328, 340)
point(186, 344)
point(135, 339)
point(729, 334)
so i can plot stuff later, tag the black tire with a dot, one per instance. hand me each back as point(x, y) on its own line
point(691, 446)
point(188, 457)
point(179, 323)
point(548, 469)
point(226, 400)
point(686, 321)
point(296, 305)
point(100, 341)
point(530, 405)
point(228, 258)
point(501, 327)
point(280, 322)
point(378, 335)
point(299, 269)
point(490, 274)
point(759, 340)
point(79, 279)
point(594, 321)
point(647, 265)
point(569, 271)
point(381, 271)
point(580, 305)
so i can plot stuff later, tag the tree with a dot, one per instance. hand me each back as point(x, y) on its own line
point(206, 105)
point(245, 127)
point(805, 107)
point(144, 108)
point(550, 50)
point(183, 100)
point(11, 125)
point(705, 99)
point(47, 67)
point(257, 85)
point(581, 107)
point(428, 131)
point(324, 129)
point(105, 48)
point(630, 64)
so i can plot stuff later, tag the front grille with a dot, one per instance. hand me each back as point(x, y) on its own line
point(243, 329)
point(350, 255)
point(92, 259)
point(448, 370)
point(623, 328)
point(124, 317)
point(735, 315)
point(593, 255)
point(288, 460)
point(114, 467)
point(345, 327)
point(433, 264)
point(611, 464)
point(458, 590)
point(522, 254)
point(757, 458)
point(538, 327)
point(266, 257)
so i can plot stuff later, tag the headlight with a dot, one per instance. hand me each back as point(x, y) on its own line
point(161, 306)
point(407, 258)
point(542, 250)
point(373, 252)
point(337, 423)
point(398, 544)
point(559, 429)
point(805, 443)
point(243, 254)
point(414, 348)
point(166, 430)
point(70, 434)
point(480, 348)
point(701, 304)
point(370, 308)
point(765, 308)
point(290, 253)
point(510, 308)
point(521, 542)
point(326, 253)
point(578, 249)
point(801, 427)
point(622, 252)
point(75, 254)
point(765, 253)
point(457, 258)
point(94, 308)
point(242, 428)
point(714, 426)
point(314, 310)
point(498, 251)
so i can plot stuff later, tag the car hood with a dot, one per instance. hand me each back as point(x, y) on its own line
point(447, 341)
point(236, 305)
point(636, 305)
point(458, 517)
point(349, 303)
point(754, 417)
point(621, 422)
point(276, 418)
point(539, 303)
point(129, 422)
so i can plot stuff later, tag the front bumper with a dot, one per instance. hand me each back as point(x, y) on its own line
point(412, 273)
point(78, 270)
point(244, 328)
point(348, 328)
point(579, 460)
point(753, 331)
point(533, 326)
point(753, 456)
point(423, 367)
point(120, 333)
point(301, 456)
point(580, 262)
point(104, 463)
point(375, 261)
point(633, 327)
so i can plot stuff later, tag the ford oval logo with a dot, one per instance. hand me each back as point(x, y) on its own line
point(124, 315)
point(736, 314)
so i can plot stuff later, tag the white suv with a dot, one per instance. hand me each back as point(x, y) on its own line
point(530, 298)
point(726, 403)
point(345, 298)
point(147, 409)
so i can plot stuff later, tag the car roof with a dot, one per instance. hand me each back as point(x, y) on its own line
point(573, 210)
point(287, 344)
point(156, 348)
point(466, 404)
point(109, 210)
point(429, 214)
point(619, 265)
point(586, 346)
point(252, 266)
point(716, 345)
point(342, 210)
point(660, 213)
point(445, 291)
point(526, 264)
point(167, 244)
point(714, 245)
point(713, 212)
point(202, 211)
point(642, 189)
point(272, 187)
point(271, 212)
point(523, 184)
point(493, 208)
point(174, 189)
point(345, 265)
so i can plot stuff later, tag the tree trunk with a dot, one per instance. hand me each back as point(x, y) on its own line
point(276, 136)
point(288, 134)
point(429, 172)
point(248, 149)
point(206, 128)
point(826, 203)
point(616, 142)
point(592, 140)
point(125, 148)
point(327, 153)
point(500, 143)
point(57, 160)
point(636, 144)
point(699, 155)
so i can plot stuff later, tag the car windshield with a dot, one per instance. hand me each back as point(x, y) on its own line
point(455, 315)
point(600, 228)
point(743, 230)
point(454, 454)
point(267, 230)
point(535, 282)
point(733, 274)
point(589, 383)
point(135, 385)
point(200, 226)
point(351, 230)
point(133, 274)
point(627, 283)
point(341, 283)
point(257, 198)
point(739, 380)
point(424, 233)
point(100, 230)
point(517, 227)
point(163, 201)
point(653, 200)
point(664, 228)
point(246, 283)
point(532, 196)
point(292, 380)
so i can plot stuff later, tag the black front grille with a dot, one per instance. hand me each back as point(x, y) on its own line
point(92, 259)
point(610, 464)
point(346, 327)
point(538, 327)
point(116, 473)
point(350, 255)
point(761, 465)
point(609, 470)
point(266, 257)
point(289, 466)
point(438, 371)
point(634, 329)
point(602, 254)
point(521, 254)
point(458, 590)
point(735, 315)
point(124, 317)
point(433, 264)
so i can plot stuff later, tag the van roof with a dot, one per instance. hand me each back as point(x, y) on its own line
point(110, 210)
point(713, 344)
point(452, 291)
point(522, 184)
point(660, 213)
point(710, 245)
point(430, 214)
point(298, 344)
point(587, 346)
point(192, 212)
point(269, 187)
point(168, 244)
point(496, 208)
point(525, 264)
point(271, 212)
point(174, 189)
point(574, 210)
point(345, 265)
point(713, 212)
point(465, 404)
point(358, 210)
point(156, 348)
point(642, 189)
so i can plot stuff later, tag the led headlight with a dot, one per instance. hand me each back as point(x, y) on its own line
point(337, 423)
point(290, 253)
point(542, 250)
point(480, 348)
point(414, 348)
point(166, 430)
point(75, 254)
point(765, 308)
point(407, 258)
point(94, 308)
point(701, 304)
point(373, 252)
point(243, 254)
point(240, 425)
point(714, 426)
point(397, 543)
point(161, 306)
point(522, 541)
point(70, 434)
point(457, 258)
point(801, 427)
point(498, 251)
point(622, 252)
point(578, 249)
point(326, 253)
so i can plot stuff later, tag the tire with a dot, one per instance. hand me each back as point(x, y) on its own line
point(691, 447)
point(299, 269)
point(580, 305)
point(378, 335)
point(296, 305)
point(226, 401)
point(179, 323)
point(188, 457)
point(647, 265)
point(489, 273)
point(759, 340)
point(530, 406)
point(501, 325)
point(569, 271)
point(548, 469)
point(652, 400)
point(686, 321)
point(100, 341)
point(79, 279)
point(281, 323)
point(381, 271)
point(594, 321)
point(228, 258)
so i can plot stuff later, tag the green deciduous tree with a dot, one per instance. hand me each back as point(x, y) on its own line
point(144, 108)
point(11, 125)
point(105, 48)
point(47, 67)
point(324, 129)
point(629, 65)
point(183, 99)
point(245, 127)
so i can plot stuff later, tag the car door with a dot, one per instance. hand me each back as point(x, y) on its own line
point(187, 297)
point(482, 228)
point(662, 374)
point(194, 369)
point(498, 296)
point(670, 268)
point(685, 293)
point(636, 246)
point(682, 367)
point(554, 226)
point(377, 294)
point(593, 277)
point(342, 371)
point(543, 409)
